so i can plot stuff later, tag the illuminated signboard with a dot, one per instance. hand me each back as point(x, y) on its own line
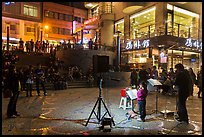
point(163, 56)
point(90, 20)
point(8, 3)
point(193, 43)
point(138, 44)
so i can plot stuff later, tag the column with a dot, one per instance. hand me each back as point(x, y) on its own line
point(21, 32)
point(107, 29)
point(161, 16)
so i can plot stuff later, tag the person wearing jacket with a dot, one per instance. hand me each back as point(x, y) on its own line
point(184, 84)
point(13, 81)
point(29, 80)
point(39, 73)
point(141, 99)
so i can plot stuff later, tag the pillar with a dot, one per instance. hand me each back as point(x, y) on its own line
point(8, 35)
point(118, 53)
point(21, 32)
point(107, 31)
point(106, 24)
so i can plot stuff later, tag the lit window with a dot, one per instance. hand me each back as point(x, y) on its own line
point(46, 13)
point(30, 10)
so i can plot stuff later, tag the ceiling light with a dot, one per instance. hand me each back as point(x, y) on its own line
point(143, 12)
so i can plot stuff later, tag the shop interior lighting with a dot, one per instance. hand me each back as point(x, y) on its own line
point(143, 12)
point(170, 7)
point(5, 38)
point(119, 22)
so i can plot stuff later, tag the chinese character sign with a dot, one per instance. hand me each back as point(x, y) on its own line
point(138, 44)
point(193, 43)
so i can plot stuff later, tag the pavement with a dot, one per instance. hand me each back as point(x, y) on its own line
point(65, 112)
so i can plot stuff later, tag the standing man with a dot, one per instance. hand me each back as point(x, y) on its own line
point(39, 72)
point(69, 44)
point(133, 78)
point(143, 74)
point(90, 44)
point(29, 80)
point(14, 86)
point(32, 45)
point(21, 46)
point(184, 84)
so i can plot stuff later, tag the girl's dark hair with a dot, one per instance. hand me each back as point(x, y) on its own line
point(144, 85)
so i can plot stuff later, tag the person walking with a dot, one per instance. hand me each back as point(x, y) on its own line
point(14, 86)
point(39, 72)
point(29, 80)
point(184, 84)
point(141, 99)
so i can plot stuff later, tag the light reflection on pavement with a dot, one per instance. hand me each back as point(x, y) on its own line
point(65, 112)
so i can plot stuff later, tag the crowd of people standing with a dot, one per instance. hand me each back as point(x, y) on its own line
point(181, 80)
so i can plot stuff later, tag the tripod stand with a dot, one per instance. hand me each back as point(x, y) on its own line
point(99, 102)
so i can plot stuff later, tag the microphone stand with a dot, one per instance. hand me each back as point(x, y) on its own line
point(99, 102)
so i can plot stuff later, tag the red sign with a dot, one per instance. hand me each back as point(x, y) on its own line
point(90, 20)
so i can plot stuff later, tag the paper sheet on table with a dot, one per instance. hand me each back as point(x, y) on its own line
point(154, 82)
point(132, 94)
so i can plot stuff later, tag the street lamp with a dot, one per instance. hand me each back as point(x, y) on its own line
point(118, 49)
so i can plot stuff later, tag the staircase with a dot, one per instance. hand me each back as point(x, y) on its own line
point(79, 84)
point(73, 84)
point(48, 86)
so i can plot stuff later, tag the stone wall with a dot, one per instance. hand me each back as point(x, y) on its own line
point(82, 58)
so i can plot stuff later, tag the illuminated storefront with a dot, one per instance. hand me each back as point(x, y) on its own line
point(142, 24)
point(119, 26)
point(162, 38)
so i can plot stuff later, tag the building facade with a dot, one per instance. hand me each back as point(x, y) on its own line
point(60, 22)
point(152, 33)
point(39, 21)
point(21, 20)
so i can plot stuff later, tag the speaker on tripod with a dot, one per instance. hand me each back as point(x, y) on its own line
point(100, 63)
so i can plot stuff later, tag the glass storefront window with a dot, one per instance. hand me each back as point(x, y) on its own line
point(142, 24)
point(185, 23)
point(119, 26)
point(188, 59)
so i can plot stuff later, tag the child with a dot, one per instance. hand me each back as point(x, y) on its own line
point(141, 99)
